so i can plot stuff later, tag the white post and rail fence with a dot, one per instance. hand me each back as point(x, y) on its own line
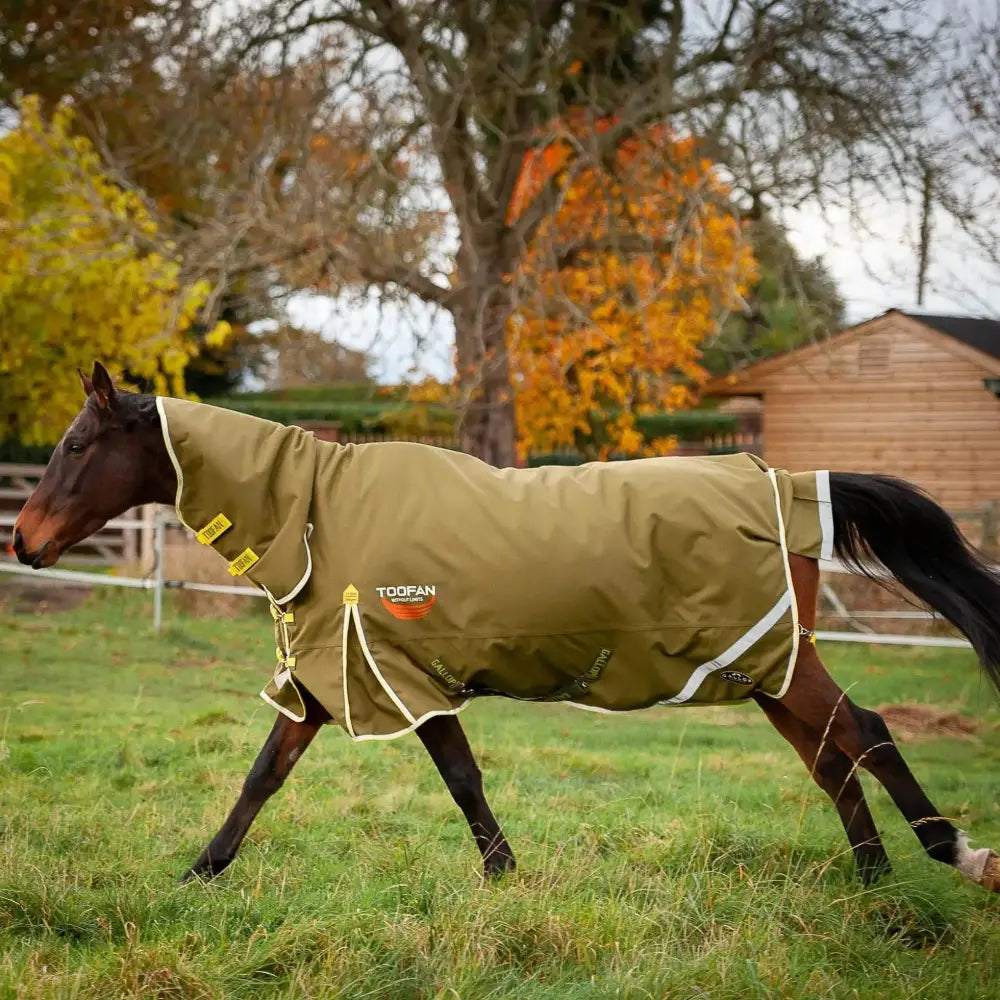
point(139, 539)
point(156, 580)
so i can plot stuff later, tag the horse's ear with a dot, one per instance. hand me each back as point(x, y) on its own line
point(88, 386)
point(107, 398)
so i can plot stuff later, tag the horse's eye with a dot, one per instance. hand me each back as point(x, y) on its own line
point(77, 449)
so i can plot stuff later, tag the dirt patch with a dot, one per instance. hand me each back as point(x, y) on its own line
point(914, 722)
point(20, 596)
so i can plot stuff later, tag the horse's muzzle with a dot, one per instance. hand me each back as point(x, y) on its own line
point(36, 560)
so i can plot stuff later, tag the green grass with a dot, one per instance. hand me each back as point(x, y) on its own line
point(670, 854)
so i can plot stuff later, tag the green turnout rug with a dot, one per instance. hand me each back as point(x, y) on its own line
point(405, 580)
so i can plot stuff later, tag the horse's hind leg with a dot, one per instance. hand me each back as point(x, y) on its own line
point(444, 739)
point(815, 700)
point(836, 774)
point(283, 747)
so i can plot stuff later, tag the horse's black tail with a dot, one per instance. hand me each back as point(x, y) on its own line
point(881, 522)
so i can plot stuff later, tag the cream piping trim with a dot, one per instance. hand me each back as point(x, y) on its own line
point(281, 708)
point(302, 581)
point(343, 673)
point(634, 711)
point(416, 724)
point(825, 514)
point(180, 517)
point(734, 652)
point(165, 430)
point(756, 632)
point(352, 614)
point(793, 656)
point(381, 736)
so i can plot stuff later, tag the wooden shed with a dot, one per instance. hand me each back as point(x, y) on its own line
point(909, 395)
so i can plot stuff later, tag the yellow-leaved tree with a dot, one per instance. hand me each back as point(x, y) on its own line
point(85, 275)
point(618, 289)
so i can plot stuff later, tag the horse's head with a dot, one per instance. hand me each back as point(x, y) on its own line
point(111, 458)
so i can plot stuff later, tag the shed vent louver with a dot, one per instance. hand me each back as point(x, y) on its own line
point(874, 355)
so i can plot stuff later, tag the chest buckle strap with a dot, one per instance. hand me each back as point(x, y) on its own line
point(283, 649)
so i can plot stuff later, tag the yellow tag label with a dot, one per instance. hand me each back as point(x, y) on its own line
point(351, 595)
point(243, 562)
point(288, 618)
point(211, 532)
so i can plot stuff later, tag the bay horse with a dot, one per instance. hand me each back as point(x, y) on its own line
point(113, 457)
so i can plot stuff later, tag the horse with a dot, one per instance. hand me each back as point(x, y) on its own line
point(115, 455)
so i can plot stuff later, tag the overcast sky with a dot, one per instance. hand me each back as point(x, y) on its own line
point(873, 261)
point(875, 264)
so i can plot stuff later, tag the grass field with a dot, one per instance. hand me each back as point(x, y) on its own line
point(672, 854)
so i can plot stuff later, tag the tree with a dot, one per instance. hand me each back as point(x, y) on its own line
point(794, 98)
point(107, 58)
point(81, 279)
point(610, 323)
point(964, 175)
point(252, 186)
point(49, 47)
point(428, 110)
point(301, 357)
point(791, 302)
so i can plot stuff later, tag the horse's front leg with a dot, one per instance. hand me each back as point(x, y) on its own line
point(286, 743)
point(445, 741)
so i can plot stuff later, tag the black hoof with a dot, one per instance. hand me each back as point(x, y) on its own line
point(205, 869)
point(498, 865)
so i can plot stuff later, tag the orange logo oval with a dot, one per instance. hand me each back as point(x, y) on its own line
point(408, 612)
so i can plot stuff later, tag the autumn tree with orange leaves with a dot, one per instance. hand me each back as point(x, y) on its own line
point(798, 101)
point(635, 269)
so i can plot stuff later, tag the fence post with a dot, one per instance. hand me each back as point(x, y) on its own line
point(146, 539)
point(130, 538)
point(158, 546)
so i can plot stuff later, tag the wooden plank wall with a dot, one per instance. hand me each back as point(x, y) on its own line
point(895, 401)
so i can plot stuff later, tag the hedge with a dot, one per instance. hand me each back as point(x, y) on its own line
point(687, 425)
point(354, 408)
point(357, 415)
point(25, 454)
point(349, 416)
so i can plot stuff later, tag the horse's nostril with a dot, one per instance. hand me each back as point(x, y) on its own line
point(21, 550)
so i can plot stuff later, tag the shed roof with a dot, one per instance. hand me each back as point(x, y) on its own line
point(982, 334)
point(979, 339)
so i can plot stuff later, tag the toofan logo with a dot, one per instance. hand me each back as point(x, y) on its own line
point(408, 603)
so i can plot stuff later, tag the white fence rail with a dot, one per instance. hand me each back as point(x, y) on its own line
point(156, 581)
